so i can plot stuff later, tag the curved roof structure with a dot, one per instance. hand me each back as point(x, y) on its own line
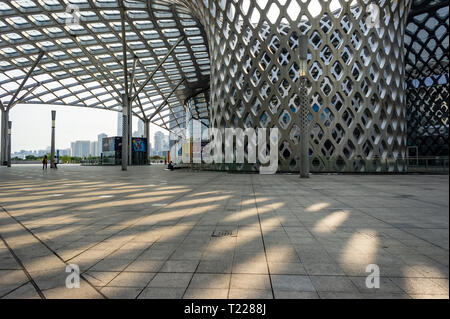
point(427, 76)
point(426, 40)
point(73, 52)
point(70, 52)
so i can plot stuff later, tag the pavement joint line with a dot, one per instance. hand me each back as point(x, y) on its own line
point(398, 228)
point(127, 227)
point(18, 287)
point(262, 236)
point(120, 272)
point(320, 243)
point(196, 268)
point(162, 264)
point(399, 234)
point(48, 247)
point(370, 187)
point(190, 280)
point(30, 279)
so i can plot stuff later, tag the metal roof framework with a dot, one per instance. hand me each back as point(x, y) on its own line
point(427, 76)
point(70, 52)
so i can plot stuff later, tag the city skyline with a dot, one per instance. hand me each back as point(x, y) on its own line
point(86, 148)
point(32, 126)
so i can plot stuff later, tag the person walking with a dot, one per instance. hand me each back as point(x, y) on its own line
point(44, 162)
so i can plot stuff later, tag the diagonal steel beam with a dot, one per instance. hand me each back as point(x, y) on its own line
point(139, 102)
point(137, 115)
point(157, 68)
point(124, 48)
point(133, 76)
point(25, 95)
point(10, 104)
point(166, 101)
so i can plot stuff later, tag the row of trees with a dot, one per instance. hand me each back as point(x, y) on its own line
point(72, 160)
point(64, 159)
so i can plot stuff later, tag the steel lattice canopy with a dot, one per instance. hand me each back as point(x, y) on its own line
point(82, 65)
point(427, 76)
point(83, 61)
point(426, 40)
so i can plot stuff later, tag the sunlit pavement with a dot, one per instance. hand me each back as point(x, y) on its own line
point(152, 233)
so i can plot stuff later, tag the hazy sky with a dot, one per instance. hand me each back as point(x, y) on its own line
point(31, 128)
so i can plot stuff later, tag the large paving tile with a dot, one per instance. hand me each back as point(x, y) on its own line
point(215, 266)
point(250, 294)
point(317, 269)
point(111, 264)
point(250, 281)
point(179, 266)
point(290, 294)
point(202, 293)
point(162, 293)
point(281, 268)
point(132, 279)
point(171, 280)
point(26, 291)
point(121, 292)
point(333, 284)
point(143, 265)
point(292, 283)
point(100, 278)
point(420, 286)
point(210, 281)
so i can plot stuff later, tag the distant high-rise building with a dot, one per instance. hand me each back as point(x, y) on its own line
point(65, 152)
point(100, 138)
point(166, 143)
point(72, 149)
point(81, 148)
point(119, 123)
point(140, 128)
point(159, 142)
point(93, 149)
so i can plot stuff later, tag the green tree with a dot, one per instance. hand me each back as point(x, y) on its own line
point(65, 159)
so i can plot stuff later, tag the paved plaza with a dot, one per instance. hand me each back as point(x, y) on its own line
point(152, 233)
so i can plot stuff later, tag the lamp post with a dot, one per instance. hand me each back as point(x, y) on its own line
point(4, 137)
point(147, 135)
point(125, 115)
point(9, 143)
point(304, 138)
point(52, 149)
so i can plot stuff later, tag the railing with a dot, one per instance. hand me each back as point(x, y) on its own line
point(428, 164)
point(436, 164)
point(357, 165)
point(91, 162)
